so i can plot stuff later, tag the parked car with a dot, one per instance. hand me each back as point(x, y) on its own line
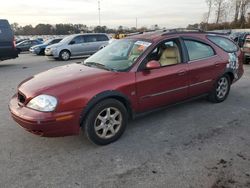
point(26, 45)
point(239, 37)
point(77, 45)
point(21, 40)
point(40, 48)
point(243, 39)
point(246, 49)
point(128, 77)
point(7, 41)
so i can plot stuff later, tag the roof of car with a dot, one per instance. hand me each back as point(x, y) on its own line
point(157, 35)
point(88, 34)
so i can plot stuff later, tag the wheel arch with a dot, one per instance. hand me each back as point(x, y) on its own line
point(231, 76)
point(65, 49)
point(106, 95)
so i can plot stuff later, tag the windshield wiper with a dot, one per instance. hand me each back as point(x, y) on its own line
point(98, 65)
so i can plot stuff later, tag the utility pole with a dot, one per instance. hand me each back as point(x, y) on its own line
point(136, 21)
point(99, 10)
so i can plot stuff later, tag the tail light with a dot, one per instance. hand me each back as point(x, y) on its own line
point(14, 42)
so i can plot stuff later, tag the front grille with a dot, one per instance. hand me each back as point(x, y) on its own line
point(21, 97)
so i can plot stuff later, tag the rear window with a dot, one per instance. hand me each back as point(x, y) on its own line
point(197, 50)
point(4, 23)
point(224, 43)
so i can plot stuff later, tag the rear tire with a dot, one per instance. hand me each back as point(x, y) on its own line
point(19, 50)
point(64, 55)
point(221, 89)
point(106, 122)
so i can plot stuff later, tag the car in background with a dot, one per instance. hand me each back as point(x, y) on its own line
point(26, 45)
point(128, 77)
point(243, 41)
point(21, 40)
point(40, 48)
point(246, 49)
point(77, 45)
point(7, 41)
point(239, 37)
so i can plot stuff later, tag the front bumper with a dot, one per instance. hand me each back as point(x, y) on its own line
point(50, 52)
point(51, 124)
point(33, 51)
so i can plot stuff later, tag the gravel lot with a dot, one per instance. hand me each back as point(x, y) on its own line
point(193, 145)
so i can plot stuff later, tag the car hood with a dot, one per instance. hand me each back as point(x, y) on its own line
point(60, 80)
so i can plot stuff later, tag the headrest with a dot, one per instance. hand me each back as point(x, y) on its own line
point(170, 52)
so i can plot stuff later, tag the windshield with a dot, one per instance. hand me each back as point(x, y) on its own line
point(48, 41)
point(119, 55)
point(66, 39)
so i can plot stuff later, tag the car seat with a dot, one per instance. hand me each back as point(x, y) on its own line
point(170, 56)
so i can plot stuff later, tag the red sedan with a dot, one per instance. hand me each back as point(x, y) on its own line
point(128, 77)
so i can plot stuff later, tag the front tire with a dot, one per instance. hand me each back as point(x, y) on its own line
point(221, 89)
point(106, 122)
point(42, 52)
point(64, 55)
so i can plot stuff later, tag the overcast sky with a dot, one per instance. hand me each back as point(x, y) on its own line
point(165, 13)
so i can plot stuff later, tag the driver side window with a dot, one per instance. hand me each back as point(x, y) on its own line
point(77, 40)
point(166, 53)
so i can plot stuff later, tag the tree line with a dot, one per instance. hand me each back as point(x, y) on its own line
point(66, 29)
point(225, 14)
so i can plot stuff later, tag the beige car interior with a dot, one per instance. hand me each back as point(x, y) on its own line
point(170, 56)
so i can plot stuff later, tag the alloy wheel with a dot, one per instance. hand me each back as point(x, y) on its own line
point(222, 87)
point(108, 123)
point(65, 55)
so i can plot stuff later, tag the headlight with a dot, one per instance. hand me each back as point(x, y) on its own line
point(43, 103)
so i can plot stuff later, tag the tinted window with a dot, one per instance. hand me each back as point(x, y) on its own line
point(223, 43)
point(78, 40)
point(90, 38)
point(55, 41)
point(35, 42)
point(198, 50)
point(102, 38)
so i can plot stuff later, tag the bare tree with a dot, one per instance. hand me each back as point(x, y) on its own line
point(237, 4)
point(243, 10)
point(220, 8)
point(209, 4)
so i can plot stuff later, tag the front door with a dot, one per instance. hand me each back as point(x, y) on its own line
point(76, 46)
point(167, 84)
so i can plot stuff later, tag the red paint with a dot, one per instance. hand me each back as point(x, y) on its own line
point(76, 85)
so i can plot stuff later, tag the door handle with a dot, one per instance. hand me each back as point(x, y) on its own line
point(182, 72)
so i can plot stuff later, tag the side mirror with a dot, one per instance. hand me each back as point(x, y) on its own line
point(153, 65)
point(72, 42)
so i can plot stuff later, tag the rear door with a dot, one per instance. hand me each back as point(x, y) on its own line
point(203, 66)
point(91, 44)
